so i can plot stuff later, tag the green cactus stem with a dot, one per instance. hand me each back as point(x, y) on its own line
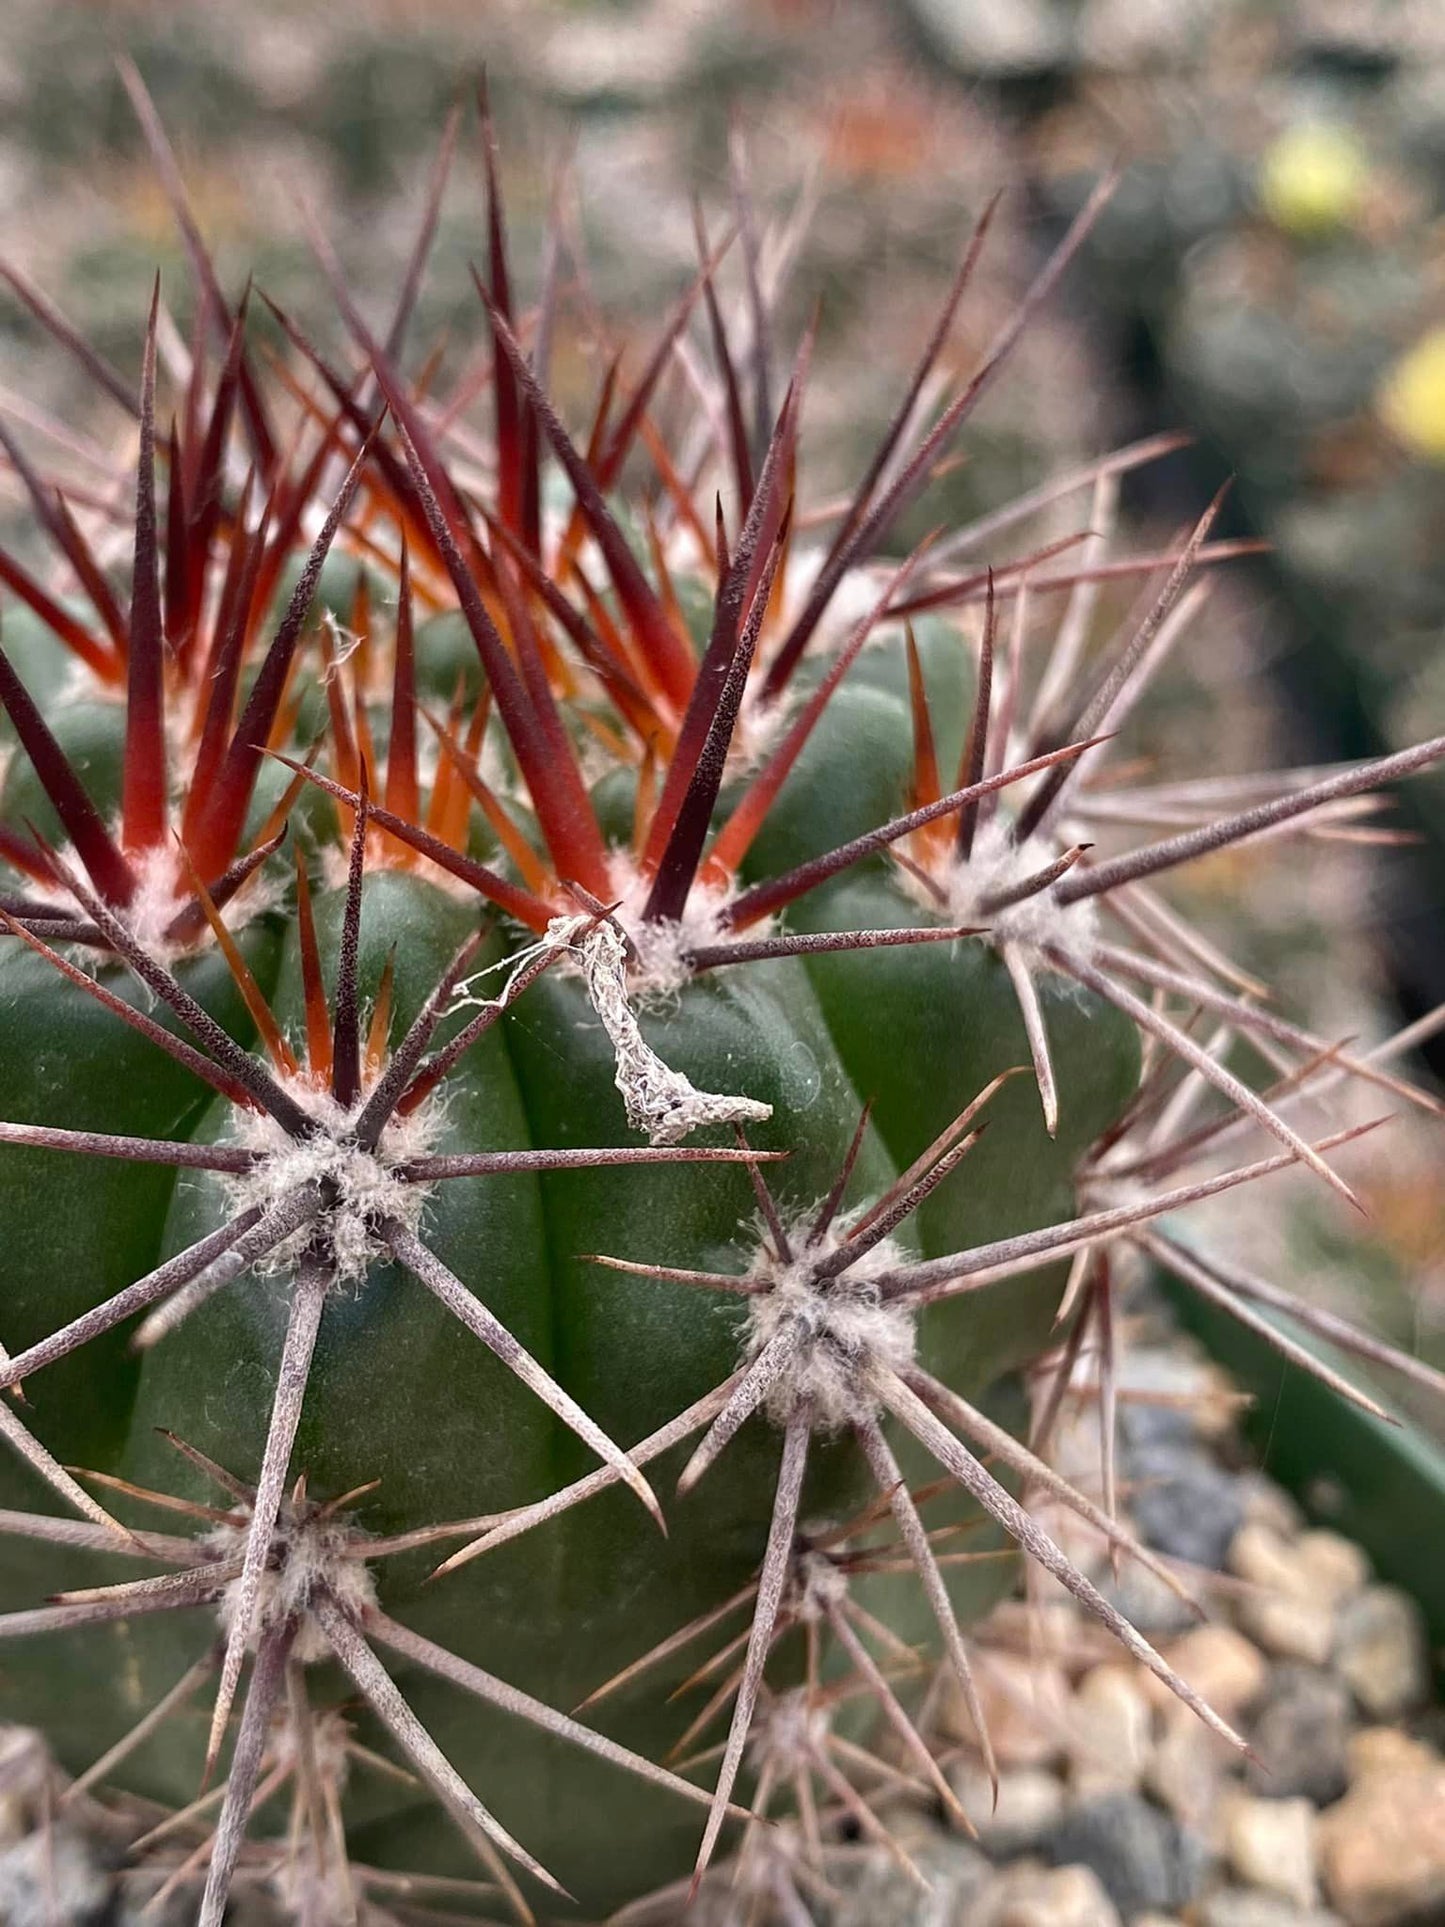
point(556, 1075)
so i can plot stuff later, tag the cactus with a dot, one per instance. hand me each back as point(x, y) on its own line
point(514, 1052)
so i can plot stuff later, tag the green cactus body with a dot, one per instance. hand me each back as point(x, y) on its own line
point(398, 1394)
point(399, 1252)
point(69, 1062)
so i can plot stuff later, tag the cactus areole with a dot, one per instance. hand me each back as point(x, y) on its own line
point(548, 1072)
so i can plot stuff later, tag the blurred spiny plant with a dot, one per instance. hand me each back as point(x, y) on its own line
point(449, 825)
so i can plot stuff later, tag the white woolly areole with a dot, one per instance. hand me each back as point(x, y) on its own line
point(328, 1742)
point(996, 866)
point(160, 895)
point(366, 1185)
point(659, 1100)
point(312, 1551)
point(660, 966)
point(841, 1326)
point(788, 1734)
point(163, 891)
point(818, 1584)
point(758, 727)
point(311, 1882)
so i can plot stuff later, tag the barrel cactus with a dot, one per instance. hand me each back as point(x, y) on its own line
point(551, 1078)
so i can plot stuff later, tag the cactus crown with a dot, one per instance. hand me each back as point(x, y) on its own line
point(616, 807)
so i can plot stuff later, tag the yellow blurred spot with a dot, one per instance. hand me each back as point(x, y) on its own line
point(1312, 178)
point(1411, 401)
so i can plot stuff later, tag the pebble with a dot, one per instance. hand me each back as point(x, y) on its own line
point(1300, 1734)
point(1188, 1395)
point(1338, 1565)
point(1247, 1907)
point(1334, 1567)
point(1271, 1844)
point(1288, 1615)
point(1025, 1704)
point(995, 37)
point(1385, 1750)
point(1264, 1556)
point(1290, 1628)
point(1183, 1772)
point(1185, 1506)
point(1381, 1652)
point(1030, 1803)
point(1222, 1666)
point(1146, 1601)
point(1142, 1855)
point(1144, 1427)
point(1267, 1504)
point(1319, 1565)
point(1028, 1895)
point(15, 1819)
point(881, 1896)
point(1382, 1848)
point(1112, 1739)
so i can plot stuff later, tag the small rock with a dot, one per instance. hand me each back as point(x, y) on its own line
point(913, 1827)
point(1030, 1802)
point(1266, 1558)
point(1079, 1541)
point(1025, 1704)
point(14, 1819)
point(1335, 1566)
point(882, 1895)
point(1290, 1628)
point(1381, 1652)
point(1271, 1844)
point(1288, 1615)
point(1382, 1848)
point(1301, 1734)
point(1184, 1771)
point(1267, 1504)
point(1184, 1505)
point(1165, 1394)
point(1247, 1907)
point(1075, 1442)
point(1112, 1737)
point(1385, 1750)
point(1032, 1896)
point(1146, 1601)
point(1220, 1664)
point(1144, 1426)
point(1142, 1855)
point(996, 37)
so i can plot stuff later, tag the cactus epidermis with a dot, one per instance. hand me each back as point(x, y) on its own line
point(653, 1089)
